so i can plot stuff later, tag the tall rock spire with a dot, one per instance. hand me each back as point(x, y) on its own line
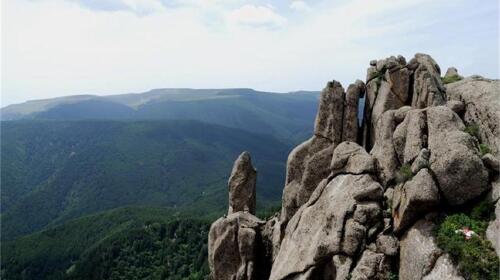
point(242, 185)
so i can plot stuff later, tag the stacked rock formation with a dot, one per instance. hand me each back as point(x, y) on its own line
point(348, 210)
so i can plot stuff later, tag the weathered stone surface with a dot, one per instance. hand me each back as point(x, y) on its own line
point(493, 230)
point(271, 237)
point(418, 251)
point(368, 213)
point(491, 162)
point(330, 112)
point(371, 266)
point(400, 114)
point(242, 185)
point(409, 137)
point(383, 151)
point(315, 151)
point(454, 157)
point(373, 192)
point(422, 161)
point(385, 100)
point(342, 266)
point(428, 89)
point(456, 106)
point(387, 244)
point(349, 157)
point(414, 198)
point(350, 120)
point(450, 72)
point(444, 269)
point(399, 80)
point(315, 231)
point(354, 234)
point(232, 243)
point(482, 102)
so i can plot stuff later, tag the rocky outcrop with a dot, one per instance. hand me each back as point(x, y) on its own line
point(309, 162)
point(361, 202)
point(242, 185)
point(233, 244)
point(330, 223)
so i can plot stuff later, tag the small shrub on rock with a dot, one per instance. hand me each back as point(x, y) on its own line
point(451, 79)
point(404, 173)
point(472, 129)
point(475, 256)
point(484, 149)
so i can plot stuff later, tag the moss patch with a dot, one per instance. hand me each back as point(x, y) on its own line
point(451, 79)
point(404, 173)
point(472, 129)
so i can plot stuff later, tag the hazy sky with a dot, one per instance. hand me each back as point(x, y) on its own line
point(63, 47)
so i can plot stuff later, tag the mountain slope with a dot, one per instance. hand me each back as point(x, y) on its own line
point(53, 171)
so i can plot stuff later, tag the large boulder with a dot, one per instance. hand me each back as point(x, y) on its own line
point(232, 248)
point(316, 231)
point(242, 185)
point(421, 258)
point(482, 102)
point(413, 199)
point(351, 158)
point(454, 157)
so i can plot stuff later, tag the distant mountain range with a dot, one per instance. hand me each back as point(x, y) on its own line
point(283, 115)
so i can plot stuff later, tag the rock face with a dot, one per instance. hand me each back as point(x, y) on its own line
point(481, 100)
point(358, 199)
point(317, 230)
point(242, 185)
point(309, 162)
point(233, 243)
point(454, 157)
point(414, 198)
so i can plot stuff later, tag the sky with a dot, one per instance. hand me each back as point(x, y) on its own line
point(53, 48)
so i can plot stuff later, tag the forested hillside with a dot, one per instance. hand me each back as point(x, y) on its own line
point(53, 171)
point(128, 243)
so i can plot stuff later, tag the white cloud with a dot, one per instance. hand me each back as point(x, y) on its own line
point(56, 47)
point(251, 15)
point(300, 6)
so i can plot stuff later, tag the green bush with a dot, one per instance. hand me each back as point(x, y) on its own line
point(472, 129)
point(450, 79)
point(484, 211)
point(484, 149)
point(404, 173)
point(476, 257)
point(393, 276)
